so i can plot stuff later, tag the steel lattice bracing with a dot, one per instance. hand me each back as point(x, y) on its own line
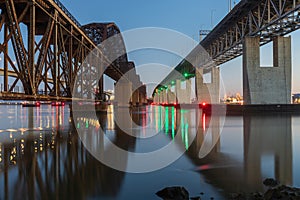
point(114, 49)
point(44, 49)
point(41, 41)
point(264, 18)
point(110, 41)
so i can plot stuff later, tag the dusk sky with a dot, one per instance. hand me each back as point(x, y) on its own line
point(186, 17)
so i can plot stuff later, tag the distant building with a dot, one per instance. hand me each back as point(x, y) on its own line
point(296, 98)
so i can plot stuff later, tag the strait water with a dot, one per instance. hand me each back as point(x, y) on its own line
point(42, 154)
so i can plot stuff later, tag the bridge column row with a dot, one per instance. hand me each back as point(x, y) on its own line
point(179, 96)
point(124, 94)
point(261, 85)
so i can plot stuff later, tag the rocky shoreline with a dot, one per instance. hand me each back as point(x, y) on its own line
point(275, 191)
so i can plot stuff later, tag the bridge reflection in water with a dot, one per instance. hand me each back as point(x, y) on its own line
point(41, 155)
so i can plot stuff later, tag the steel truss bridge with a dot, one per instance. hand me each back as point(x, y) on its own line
point(44, 48)
point(263, 18)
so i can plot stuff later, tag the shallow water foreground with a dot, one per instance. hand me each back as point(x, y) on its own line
point(42, 155)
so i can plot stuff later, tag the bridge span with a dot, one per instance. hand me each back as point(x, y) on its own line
point(44, 48)
point(251, 24)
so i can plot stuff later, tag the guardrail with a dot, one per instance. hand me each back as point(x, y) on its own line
point(65, 10)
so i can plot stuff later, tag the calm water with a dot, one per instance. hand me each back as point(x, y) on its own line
point(42, 156)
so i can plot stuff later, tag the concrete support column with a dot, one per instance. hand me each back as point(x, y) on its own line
point(183, 95)
point(171, 96)
point(164, 96)
point(158, 98)
point(142, 98)
point(135, 99)
point(267, 85)
point(188, 90)
point(208, 92)
point(178, 92)
point(123, 92)
point(155, 100)
point(161, 96)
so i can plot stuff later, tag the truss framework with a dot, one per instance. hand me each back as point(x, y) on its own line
point(44, 49)
point(264, 18)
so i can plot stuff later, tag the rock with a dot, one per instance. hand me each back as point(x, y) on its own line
point(237, 196)
point(273, 194)
point(270, 182)
point(174, 193)
point(257, 196)
point(195, 198)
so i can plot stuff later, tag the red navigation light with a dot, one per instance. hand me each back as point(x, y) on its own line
point(203, 104)
point(37, 104)
point(63, 103)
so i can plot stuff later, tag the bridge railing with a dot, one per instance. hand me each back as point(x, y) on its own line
point(65, 10)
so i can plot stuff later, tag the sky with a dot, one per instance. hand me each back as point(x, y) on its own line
point(186, 17)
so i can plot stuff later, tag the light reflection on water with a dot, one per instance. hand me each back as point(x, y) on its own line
point(42, 156)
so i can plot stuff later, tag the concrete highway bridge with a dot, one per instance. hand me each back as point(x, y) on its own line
point(251, 24)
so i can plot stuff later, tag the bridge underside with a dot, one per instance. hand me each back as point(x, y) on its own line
point(45, 52)
point(260, 19)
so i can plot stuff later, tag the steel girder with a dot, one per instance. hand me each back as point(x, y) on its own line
point(44, 48)
point(110, 41)
point(113, 49)
point(264, 18)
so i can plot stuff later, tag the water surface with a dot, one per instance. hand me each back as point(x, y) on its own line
point(42, 156)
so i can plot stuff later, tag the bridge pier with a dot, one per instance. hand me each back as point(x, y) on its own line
point(208, 92)
point(158, 98)
point(267, 85)
point(135, 98)
point(142, 99)
point(142, 95)
point(183, 95)
point(138, 98)
point(123, 91)
point(163, 96)
point(171, 96)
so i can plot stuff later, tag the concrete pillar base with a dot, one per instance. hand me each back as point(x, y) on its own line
point(183, 96)
point(267, 85)
point(135, 98)
point(123, 92)
point(208, 92)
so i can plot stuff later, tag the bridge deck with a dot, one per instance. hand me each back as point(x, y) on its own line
point(263, 18)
